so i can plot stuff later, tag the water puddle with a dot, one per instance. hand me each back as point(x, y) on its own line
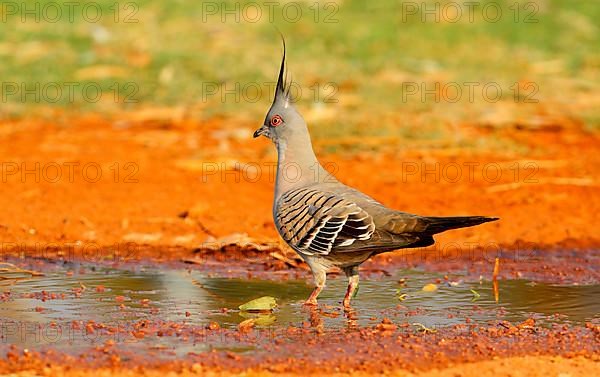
point(56, 309)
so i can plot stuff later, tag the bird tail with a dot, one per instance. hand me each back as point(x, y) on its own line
point(442, 224)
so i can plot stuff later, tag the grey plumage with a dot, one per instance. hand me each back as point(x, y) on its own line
point(326, 222)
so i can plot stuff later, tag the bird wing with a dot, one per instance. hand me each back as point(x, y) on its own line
point(397, 222)
point(314, 221)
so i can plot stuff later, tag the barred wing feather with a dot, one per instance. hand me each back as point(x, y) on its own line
point(316, 222)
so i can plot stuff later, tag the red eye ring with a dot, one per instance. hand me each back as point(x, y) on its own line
point(276, 121)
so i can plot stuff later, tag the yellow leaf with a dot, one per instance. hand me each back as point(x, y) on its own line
point(262, 304)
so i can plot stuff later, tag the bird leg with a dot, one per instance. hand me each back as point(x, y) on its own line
point(352, 273)
point(312, 299)
point(320, 277)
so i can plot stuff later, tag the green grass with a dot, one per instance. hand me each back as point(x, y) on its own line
point(368, 52)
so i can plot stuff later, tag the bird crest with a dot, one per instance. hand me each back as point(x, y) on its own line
point(282, 90)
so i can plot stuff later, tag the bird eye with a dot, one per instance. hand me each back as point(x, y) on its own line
point(276, 121)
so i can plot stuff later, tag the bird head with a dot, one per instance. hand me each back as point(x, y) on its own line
point(282, 120)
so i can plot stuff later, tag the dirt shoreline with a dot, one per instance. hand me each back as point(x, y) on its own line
point(383, 348)
point(556, 265)
point(533, 366)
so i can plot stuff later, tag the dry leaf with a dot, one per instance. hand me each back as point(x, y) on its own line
point(262, 304)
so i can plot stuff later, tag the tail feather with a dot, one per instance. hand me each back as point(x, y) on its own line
point(441, 224)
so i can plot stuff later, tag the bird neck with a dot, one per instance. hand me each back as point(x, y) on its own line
point(297, 166)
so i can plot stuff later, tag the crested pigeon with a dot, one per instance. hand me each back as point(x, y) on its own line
point(326, 222)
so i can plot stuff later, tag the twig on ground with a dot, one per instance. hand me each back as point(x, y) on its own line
point(423, 328)
point(12, 269)
point(495, 279)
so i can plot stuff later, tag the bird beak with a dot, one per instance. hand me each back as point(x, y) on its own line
point(263, 130)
